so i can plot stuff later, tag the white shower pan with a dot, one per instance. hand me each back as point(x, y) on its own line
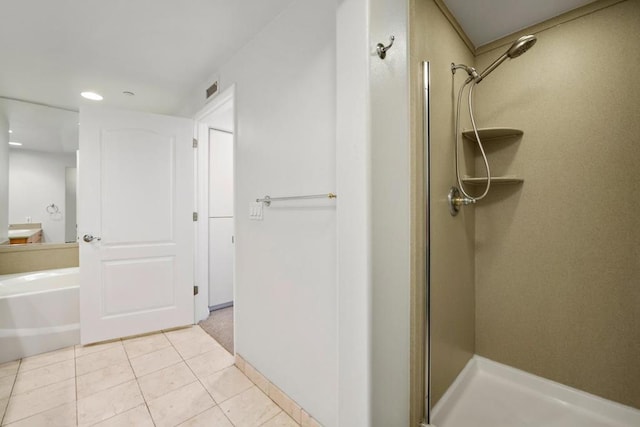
point(489, 394)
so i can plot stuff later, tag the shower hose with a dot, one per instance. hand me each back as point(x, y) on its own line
point(475, 131)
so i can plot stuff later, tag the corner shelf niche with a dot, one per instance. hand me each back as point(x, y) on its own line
point(509, 179)
point(490, 135)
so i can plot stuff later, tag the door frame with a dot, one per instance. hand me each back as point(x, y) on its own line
point(204, 121)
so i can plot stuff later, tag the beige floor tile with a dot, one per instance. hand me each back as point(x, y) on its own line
point(139, 346)
point(180, 405)
point(60, 416)
point(9, 368)
point(138, 417)
point(99, 360)
point(40, 400)
point(40, 377)
point(210, 418)
point(155, 361)
point(226, 383)
point(83, 350)
point(250, 408)
point(103, 379)
point(108, 403)
point(281, 420)
point(211, 362)
point(183, 334)
point(45, 359)
point(196, 346)
point(165, 380)
point(6, 384)
point(3, 406)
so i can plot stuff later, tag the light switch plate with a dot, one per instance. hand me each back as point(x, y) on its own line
point(255, 211)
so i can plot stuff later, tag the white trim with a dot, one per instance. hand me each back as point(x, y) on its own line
point(625, 415)
point(216, 102)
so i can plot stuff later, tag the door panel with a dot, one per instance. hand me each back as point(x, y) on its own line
point(220, 174)
point(220, 261)
point(150, 158)
point(136, 197)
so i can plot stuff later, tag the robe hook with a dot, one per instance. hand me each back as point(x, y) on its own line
point(382, 49)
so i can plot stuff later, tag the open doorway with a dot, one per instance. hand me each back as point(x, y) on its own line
point(216, 225)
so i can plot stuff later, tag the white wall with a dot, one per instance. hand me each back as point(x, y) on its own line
point(390, 219)
point(353, 158)
point(322, 293)
point(286, 300)
point(4, 179)
point(36, 180)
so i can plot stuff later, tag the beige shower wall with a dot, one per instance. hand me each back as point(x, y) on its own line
point(452, 238)
point(558, 258)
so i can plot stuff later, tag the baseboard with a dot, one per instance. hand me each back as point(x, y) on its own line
point(287, 404)
point(220, 306)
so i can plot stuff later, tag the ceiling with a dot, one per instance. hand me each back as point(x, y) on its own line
point(158, 49)
point(161, 50)
point(487, 20)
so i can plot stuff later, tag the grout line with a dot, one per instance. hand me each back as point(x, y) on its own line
point(281, 411)
point(75, 380)
point(15, 378)
point(198, 378)
point(135, 377)
point(48, 364)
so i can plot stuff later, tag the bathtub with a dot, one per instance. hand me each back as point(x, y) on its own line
point(39, 312)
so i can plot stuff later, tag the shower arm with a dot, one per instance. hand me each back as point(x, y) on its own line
point(473, 74)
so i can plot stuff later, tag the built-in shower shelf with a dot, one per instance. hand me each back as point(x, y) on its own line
point(492, 134)
point(494, 180)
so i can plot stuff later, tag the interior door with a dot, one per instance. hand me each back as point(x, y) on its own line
point(135, 223)
point(220, 262)
point(220, 218)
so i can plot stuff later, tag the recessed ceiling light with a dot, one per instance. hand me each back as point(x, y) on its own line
point(10, 131)
point(92, 96)
point(17, 144)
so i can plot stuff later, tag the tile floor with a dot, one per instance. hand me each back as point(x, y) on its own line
point(172, 378)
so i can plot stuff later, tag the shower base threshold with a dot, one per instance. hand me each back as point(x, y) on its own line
point(490, 394)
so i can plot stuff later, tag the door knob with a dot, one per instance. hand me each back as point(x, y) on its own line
point(89, 238)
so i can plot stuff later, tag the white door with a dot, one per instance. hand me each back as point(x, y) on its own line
point(136, 200)
point(220, 174)
point(220, 218)
point(220, 261)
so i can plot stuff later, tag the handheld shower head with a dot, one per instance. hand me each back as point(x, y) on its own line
point(521, 45)
point(518, 47)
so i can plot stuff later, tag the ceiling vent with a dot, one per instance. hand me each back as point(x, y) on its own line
point(212, 90)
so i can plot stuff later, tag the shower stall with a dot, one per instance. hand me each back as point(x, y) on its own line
point(532, 296)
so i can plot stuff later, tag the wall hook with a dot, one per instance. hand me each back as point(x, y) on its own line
point(382, 49)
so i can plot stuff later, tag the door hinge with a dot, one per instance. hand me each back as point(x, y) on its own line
point(195, 216)
point(195, 143)
point(195, 290)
